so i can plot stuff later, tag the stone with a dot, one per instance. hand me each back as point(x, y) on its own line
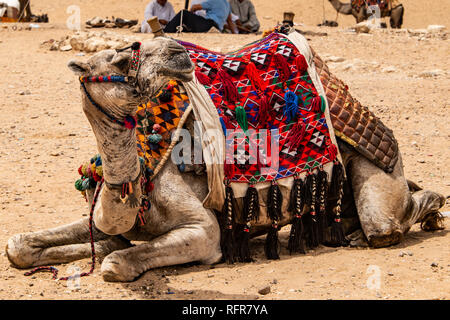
point(434, 28)
point(389, 69)
point(95, 44)
point(264, 290)
point(66, 48)
point(431, 73)
point(334, 59)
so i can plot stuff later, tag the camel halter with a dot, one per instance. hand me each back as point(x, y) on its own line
point(129, 121)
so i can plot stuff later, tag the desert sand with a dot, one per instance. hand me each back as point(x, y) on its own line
point(44, 136)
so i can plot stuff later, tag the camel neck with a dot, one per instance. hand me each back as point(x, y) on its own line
point(117, 147)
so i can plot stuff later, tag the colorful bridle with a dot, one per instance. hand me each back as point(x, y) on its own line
point(129, 121)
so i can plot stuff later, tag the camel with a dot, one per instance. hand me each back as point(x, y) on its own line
point(378, 208)
point(395, 14)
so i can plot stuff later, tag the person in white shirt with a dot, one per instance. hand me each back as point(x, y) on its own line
point(9, 8)
point(157, 8)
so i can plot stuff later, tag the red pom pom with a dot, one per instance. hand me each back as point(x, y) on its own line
point(96, 177)
point(79, 170)
point(156, 127)
point(332, 151)
point(302, 65)
point(130, 122)
point(202, 78)
point(149, 187)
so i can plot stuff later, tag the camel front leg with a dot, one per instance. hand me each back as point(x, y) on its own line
point(182, 245)
point(59, 245)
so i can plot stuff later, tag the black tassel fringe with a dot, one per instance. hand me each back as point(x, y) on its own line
point(312, 236)
point(227, 242)
point(243, 239)
point(274, 202)
point(296, 243)
point(337, 177)
point(251, 212)
point(321, 198)
point(337, 237)
point(296, 203)
point(271, 247)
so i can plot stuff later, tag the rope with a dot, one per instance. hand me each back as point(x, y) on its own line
point(180, 27)
point(53, 270)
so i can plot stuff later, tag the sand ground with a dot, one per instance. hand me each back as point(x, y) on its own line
point(44, 136)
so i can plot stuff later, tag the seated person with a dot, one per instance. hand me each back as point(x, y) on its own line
point(201, 13)
point(245, 10)
point(157, 8)
point(217, 13)
point(9, 8)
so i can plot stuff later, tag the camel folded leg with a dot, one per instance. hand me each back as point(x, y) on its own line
point(386, 207)
point(59, 245)
point(182, 245)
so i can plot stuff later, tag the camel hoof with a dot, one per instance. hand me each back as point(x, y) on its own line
point(19, 255)
point(382, 241)
point(114, 271)
point(432, 222)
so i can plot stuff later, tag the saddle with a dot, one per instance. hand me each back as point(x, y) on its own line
point(356, 124)
point(382, 4)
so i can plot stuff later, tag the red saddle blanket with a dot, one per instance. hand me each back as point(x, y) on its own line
point(263, 93)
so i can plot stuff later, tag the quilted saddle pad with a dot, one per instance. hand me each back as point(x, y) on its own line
point(356, 124)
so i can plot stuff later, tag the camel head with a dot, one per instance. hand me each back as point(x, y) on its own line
point(161, 60)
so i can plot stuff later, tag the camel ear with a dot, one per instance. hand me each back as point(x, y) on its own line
point(79, 67)
point(121, 61)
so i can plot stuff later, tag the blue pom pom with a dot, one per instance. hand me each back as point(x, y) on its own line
point(291, 108)
point(181, 167)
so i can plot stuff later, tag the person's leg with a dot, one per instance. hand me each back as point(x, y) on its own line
point(191, 23)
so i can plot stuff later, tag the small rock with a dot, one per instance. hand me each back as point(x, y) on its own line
point(66, 48)
point(431, 73)
point(334, 59)
point(264, 290)
point(434, 265)
point(421, 161)
point(434, 28)
point(389, 69)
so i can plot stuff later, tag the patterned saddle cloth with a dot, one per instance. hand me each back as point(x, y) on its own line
point(264, 91)
point(358, 4)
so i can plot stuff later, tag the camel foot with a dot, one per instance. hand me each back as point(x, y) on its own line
point(432, 222)
point(19, 254)
point(114, 269)
point(380, 241)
